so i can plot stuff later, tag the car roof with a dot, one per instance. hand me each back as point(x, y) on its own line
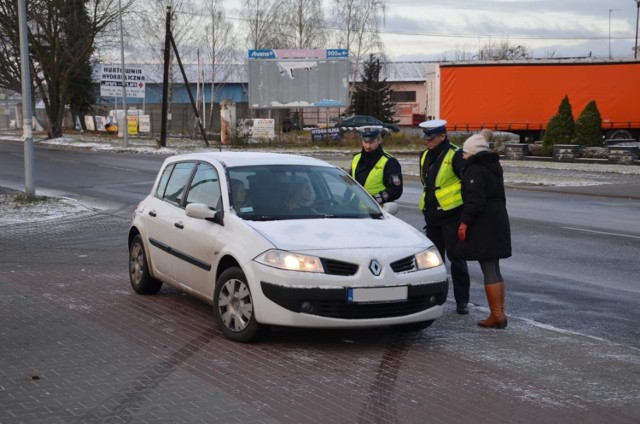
point(232, 159)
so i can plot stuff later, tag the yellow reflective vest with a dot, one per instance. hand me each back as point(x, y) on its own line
point(448, 186)
point(375, 180)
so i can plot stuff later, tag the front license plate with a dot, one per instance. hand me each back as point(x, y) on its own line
point(377, 294)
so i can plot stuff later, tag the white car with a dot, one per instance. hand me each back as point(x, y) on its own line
point(272, 239)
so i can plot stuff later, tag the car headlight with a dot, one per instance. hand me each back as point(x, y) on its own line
point(290, 261)
point(429, 258)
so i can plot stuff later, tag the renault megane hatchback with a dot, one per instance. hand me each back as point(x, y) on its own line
point(272, 239)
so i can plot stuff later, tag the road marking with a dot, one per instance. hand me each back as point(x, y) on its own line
point(601, 232)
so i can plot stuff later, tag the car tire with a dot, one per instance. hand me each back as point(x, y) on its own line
point(414, 326)
point(139, 276)
point(233, 307)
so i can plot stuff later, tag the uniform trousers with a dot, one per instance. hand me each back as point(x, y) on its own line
point(445, 237)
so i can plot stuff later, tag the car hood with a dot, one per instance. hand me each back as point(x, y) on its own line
point(336, 234)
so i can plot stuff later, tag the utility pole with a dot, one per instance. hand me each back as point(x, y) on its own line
point(125, 120)
point(165, 80)
point(635, 49)
point(27, 119)
point(610, 10)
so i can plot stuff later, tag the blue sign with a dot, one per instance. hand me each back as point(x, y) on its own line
point(337, 53)
point(318, 134)
point(328, 103)
point(262, 54)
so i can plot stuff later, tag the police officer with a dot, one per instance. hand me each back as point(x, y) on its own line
point(441, 164)
point(376, 170)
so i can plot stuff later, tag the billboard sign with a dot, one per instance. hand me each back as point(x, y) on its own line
point(298, 78)
point(111, 81)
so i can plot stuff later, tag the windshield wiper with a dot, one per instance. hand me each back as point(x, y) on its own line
point(259, 217)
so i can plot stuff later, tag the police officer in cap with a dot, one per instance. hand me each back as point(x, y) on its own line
point(441, 166)
point(376, 170)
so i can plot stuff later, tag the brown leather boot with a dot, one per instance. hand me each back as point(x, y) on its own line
point(495, 297)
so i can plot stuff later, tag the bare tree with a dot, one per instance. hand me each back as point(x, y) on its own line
point(491, 50)
point(358, 25)
point(503, 50)
point(148, 24)
point(264, 23)
point(304, 24)
point(61, 35)
point(220, 41)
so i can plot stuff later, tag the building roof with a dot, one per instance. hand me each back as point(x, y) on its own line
point(237, 72)
point(407, 71)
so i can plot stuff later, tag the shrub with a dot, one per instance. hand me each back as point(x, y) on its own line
point(560, 128)
point(535, 149)
point(589, 126)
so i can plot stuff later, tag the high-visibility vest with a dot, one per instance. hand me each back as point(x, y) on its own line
point(374, 183)
point(448, 186)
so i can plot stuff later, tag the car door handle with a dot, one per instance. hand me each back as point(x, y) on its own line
point(178, 225)
point(153, 213)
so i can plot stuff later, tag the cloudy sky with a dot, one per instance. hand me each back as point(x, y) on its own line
point(561, 27)
point(432, 29)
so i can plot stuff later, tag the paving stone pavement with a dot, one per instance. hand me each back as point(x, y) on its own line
point(78, 346)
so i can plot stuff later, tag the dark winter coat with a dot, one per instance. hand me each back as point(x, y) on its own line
point(484, 210)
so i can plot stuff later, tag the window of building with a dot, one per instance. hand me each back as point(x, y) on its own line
point(403, 96)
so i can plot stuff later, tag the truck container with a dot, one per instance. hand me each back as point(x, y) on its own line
point(520, 97)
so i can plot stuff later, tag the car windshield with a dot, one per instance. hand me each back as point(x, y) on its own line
point(275, 192)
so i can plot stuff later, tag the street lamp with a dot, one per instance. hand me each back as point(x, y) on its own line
point(635, 50)
point(611, 10)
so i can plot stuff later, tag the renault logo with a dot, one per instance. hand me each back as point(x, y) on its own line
point(375, 267)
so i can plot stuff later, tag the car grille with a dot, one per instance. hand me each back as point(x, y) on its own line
point(404, 265)
point(345, 310)
point(333, 302)
point(334, 267)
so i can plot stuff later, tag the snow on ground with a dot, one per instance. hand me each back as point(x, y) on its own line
point(528, 172)
point(14, 209)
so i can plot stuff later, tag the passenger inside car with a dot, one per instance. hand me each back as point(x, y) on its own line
point(240, 200)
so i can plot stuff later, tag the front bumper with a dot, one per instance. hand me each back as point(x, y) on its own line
point(333, 302)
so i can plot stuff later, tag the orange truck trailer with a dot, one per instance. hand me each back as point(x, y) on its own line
point(521, 97)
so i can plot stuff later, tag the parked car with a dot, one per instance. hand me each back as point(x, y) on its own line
point(364, 120)
point(273, 239)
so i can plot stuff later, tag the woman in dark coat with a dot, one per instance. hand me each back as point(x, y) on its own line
point(484, 232)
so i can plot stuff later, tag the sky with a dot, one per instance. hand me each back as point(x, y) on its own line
point(434, 29)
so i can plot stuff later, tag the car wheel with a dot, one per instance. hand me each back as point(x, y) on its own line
point(139, 276)
point(233, 307)
point(414, 326)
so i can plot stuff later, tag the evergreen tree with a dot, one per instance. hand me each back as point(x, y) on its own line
point(589, 126)
point(372, 96)
point(560, 128)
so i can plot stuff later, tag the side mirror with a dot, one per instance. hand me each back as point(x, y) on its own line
point(391, 208)
point(202, 211)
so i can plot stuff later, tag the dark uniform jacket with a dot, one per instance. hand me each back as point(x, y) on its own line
point(433, 214)
point(484, 210)
point(392, 179)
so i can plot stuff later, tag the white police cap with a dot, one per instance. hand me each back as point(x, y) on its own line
point(433, 126)
point(370, 132)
